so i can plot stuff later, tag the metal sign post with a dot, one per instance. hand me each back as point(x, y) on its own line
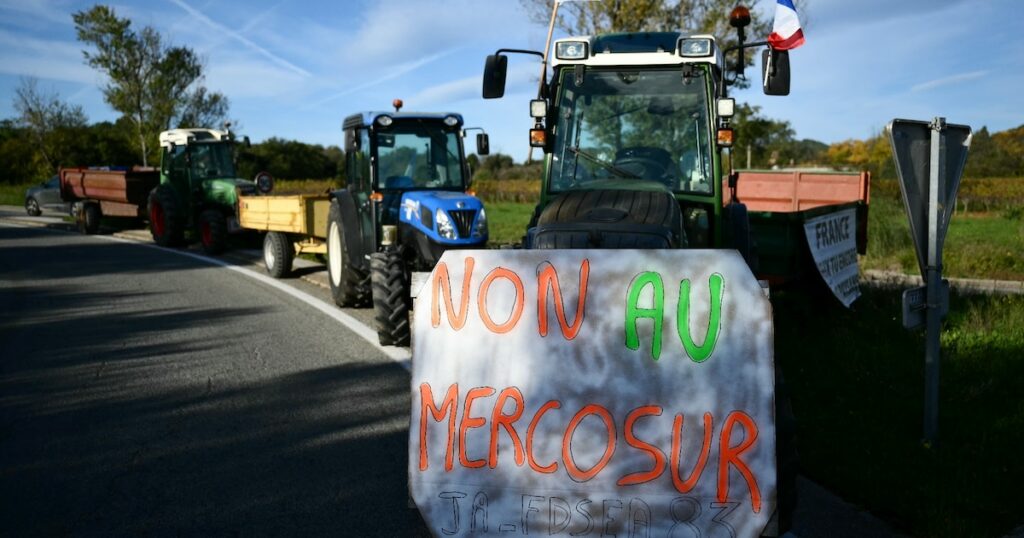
point(930, 159)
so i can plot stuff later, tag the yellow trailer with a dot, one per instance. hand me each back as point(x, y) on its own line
point(294, 224)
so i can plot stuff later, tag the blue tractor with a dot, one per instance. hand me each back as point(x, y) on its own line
point(404, 205)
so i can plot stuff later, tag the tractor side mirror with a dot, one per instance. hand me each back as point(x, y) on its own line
point(775, 71)
point(245, 140)
point(351, 141)
point(495, 71)
point(483, 144)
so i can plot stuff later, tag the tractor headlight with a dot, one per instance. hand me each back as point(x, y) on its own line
point(480, 229)
point(445, 228)
point(695, 47)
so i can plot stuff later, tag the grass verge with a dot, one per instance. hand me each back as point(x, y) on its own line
point(857, 379)
point(14, 194)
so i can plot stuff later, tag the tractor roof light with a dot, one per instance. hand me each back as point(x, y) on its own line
point(538, 108)
point(385, 120)
point(740, 17)
point(451, 121)
point(726, 107)
point(695, 47)
point(571, 50)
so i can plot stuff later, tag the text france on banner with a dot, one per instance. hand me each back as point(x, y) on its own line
point(590, 392)
point(833, 242)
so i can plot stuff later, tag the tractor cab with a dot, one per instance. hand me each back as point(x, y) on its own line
point(200, 165)
point(633, 125)
point(408, 177)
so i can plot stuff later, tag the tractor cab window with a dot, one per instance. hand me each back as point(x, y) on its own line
point(419, 155)
point(210, 161)
point(175, 162)
point(644, 127)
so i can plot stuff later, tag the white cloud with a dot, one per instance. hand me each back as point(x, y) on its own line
point(244, 78)
point(447, 93)
point(946, 81)
point(392, 73)
point(42, 58)
point(224, 30)
point(37, 10)
point(391, 30)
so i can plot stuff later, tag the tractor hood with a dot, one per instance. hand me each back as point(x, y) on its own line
point(445, 217)
point(225, 191)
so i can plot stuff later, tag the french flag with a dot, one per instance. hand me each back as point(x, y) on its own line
point(786, 34)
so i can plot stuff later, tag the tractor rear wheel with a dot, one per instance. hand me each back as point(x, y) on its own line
point(89, 219)
point(278, 253)
point(348, 283)
point(213, 231)
point(165, 222)
point(390, 297)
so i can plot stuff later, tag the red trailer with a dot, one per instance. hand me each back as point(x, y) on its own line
point(96, 193)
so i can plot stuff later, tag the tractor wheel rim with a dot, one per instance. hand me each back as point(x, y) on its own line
point(156, 218)
point(207, 233)
point(268, 257)
point(334, 254)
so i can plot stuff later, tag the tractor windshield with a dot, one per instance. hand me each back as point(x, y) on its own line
point(419, 154)
point(212, 160)
point(643, 127)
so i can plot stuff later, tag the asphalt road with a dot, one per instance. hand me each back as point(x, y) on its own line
point(147, 393)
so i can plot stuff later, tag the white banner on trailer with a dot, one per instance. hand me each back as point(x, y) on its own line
point(833, 242)
point(593, 392)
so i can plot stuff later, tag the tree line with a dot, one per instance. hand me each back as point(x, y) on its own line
point(157, 86)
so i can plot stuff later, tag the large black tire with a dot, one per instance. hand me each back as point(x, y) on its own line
point(278, 253)
point(611, 219)
point(89, 219)
point(348, 284)
point(213, 231)
point(32, 207)
point(165, 220)
point(390, 298)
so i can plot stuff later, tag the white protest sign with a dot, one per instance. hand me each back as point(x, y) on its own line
point(593, 392)
point(833, 242)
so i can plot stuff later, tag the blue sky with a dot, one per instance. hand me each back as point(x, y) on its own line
point(294, 68)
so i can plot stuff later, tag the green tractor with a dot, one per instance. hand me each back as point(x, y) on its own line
point(198, 189)
point(635, 128)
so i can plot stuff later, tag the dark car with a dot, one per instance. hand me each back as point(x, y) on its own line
point(45, 196)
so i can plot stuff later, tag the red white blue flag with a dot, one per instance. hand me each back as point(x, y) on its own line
point(786, 34)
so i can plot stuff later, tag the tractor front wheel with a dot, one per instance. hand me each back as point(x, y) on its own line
point(348, 283)
point(278, 253)
point(164, 218)
point(213, 231)
point(390, 298)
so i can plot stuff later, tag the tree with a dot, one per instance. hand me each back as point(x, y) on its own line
point(770, 142)
point(149, 82)
point(50, 123)
point(17, 155)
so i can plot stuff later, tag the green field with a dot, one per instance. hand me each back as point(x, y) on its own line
point(14, 194)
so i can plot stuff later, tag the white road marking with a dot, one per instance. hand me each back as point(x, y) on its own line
point(400, 355)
